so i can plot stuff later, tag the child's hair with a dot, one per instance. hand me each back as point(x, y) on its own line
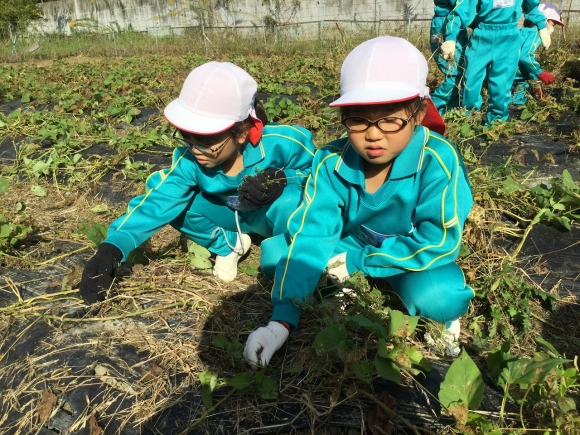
point(416, 105)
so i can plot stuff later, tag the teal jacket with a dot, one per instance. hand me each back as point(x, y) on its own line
point(170, 190)
point(473, 13)
point(413, 222)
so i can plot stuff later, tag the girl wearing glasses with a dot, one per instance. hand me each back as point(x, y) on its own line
point(390, 200)
point(232, 174)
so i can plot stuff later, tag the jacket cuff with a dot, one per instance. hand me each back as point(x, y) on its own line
point(286, 311)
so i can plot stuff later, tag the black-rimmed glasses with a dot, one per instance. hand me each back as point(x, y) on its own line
point(388, 124)
point(201, 148)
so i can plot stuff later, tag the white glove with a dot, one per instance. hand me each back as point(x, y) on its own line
point(545, 37)
point(448, 50)
point(336, 269)
point(263, 343)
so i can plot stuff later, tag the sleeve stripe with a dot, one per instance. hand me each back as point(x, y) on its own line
point(303, 219)
point(291, 139)
point(453, 222)
point(163, 177)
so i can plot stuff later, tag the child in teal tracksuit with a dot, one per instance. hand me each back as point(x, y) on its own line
point(390, 200)
point(447, 94)
point(491, 48)
point(232, 174)
point(528, 66)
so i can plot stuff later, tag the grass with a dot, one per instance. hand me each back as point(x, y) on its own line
point(146, 350)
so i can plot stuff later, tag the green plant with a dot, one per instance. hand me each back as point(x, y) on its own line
point(198, 256)
point(541, 383)
point(282, 109)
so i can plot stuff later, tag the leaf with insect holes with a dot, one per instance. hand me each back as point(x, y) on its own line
point(38, 190)
point(527, 371)
point(401, 325)
point(462, 389)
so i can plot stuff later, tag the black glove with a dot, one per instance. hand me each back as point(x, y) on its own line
point(99, 273)
point(262, 189)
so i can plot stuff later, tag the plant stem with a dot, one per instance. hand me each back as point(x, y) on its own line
point(207, 412)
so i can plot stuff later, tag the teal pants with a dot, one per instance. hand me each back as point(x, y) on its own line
point(447, 94)
point(439, 294)
point(209, 222)
point(493, 51)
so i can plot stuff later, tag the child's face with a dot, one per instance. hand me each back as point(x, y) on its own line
point(215, 150)
point(376, 146)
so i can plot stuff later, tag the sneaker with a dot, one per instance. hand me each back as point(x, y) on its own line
point(448, 341)
point(226, 267)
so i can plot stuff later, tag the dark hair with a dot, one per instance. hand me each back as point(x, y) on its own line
point(237, 129)
point(419, 104)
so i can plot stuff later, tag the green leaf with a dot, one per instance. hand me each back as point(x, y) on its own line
point(329, 338)
point(527, 371)
point(241, 381)
point(197, 250)
point(220, 341)
point(498, 358)
point(401, 325)
point(4, 185)
point(387, 369)
point(466, 130)
point(268, 388)
point(38, 190)
point(249, 269)
point(200, 263)
point(566, 404)
point(546, 344)
point(568, 180)
point(101, 208)
point(526, 114)
point(462, 389)
point(510, 185)
point(357, 321)
point(25, 98)
point(362, 370)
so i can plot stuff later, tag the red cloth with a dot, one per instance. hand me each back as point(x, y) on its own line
point(432, 119)
point(255, 131)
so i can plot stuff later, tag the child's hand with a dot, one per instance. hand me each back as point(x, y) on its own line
point(336, 269)
point(448, 50)
point(262, 189)
point(546, 77)
point(545, 37)
point(263, 343)
point(99, 273)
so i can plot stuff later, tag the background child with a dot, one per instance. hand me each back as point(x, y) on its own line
point(446, 96)
point(491, 49)
point(528, 66)
point(232, 174)
point(389, 200)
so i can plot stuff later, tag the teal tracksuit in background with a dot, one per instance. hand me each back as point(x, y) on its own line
point(203, 202)
point(409, 231)
point(493, 49)
point(528, 66)
point(447, 95)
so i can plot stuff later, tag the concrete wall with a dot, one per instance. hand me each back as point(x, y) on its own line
point(157, 16)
